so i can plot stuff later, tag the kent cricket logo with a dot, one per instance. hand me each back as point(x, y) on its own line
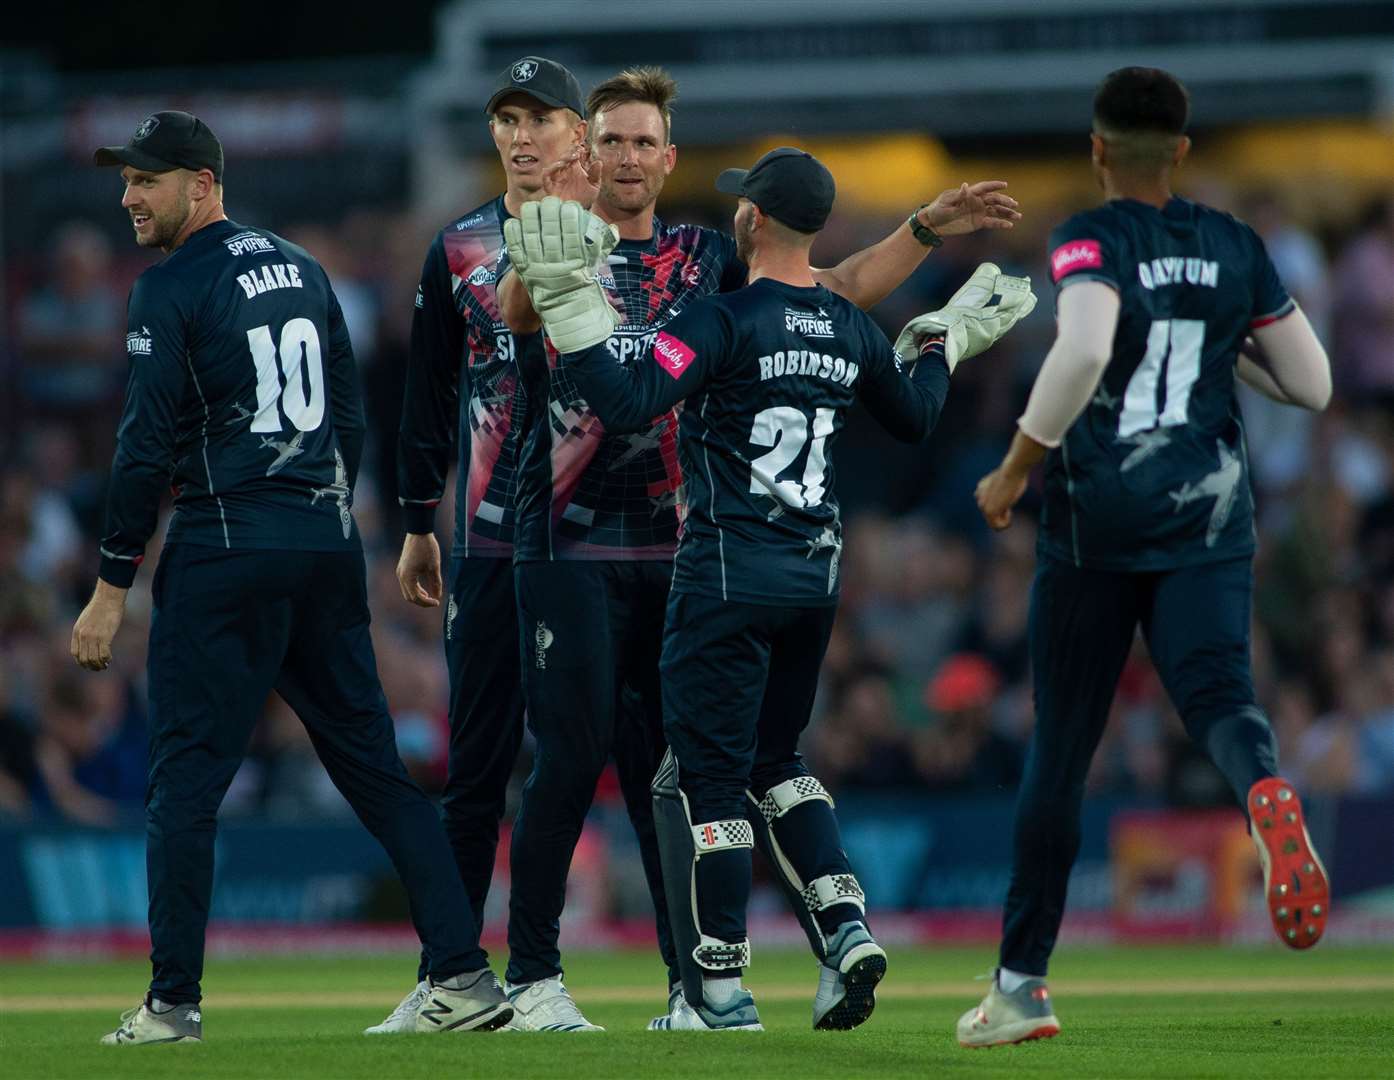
point(139, 342)
point(524, 70)
point(541, 642)
point(147, 128)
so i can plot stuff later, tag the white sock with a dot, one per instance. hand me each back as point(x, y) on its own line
point(718, 990)
point(157, 1006)
point(1009, 981)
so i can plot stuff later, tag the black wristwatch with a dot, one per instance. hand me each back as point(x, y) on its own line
point(923, 233)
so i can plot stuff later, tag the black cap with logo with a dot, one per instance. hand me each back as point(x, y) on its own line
point(790, 185)
point(168, 140)
point(541, 78)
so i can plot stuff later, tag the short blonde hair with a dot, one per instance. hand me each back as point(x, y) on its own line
point(646, 85)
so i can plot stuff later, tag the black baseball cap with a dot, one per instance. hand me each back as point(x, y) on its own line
point(541, 78)
point(789, 184)
point(168, 140)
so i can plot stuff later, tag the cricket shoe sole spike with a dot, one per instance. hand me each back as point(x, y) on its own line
point(1295, 885)
point(847, 980)
point(142, 1026)
point(402, 1019)
point(738, 1014)
point(1001, 1019)
point(681, 844)
point(546, 1005)
point(476, 1004)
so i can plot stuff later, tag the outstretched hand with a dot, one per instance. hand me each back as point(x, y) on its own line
point(971, 207)
point(576, 176)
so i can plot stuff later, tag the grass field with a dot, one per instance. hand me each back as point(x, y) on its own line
point(1136, 1012)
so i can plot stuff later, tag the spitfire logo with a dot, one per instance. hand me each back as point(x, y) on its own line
point(148, 125)
point(452, 609)
point(692, 274)
point(139, 343)
point(481, 275)
point(524, 70)
point(807, 324)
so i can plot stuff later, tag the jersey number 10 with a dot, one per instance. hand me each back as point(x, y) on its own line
point(302, 400)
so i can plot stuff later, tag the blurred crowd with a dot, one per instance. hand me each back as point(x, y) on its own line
point(926, 687)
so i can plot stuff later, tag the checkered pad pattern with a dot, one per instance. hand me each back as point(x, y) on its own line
point(804, 789)
point(844, 890)
point(720, 835)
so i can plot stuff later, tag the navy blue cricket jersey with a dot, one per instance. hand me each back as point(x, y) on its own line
point(766, 375)
point(1154, 474)
point(243, 395)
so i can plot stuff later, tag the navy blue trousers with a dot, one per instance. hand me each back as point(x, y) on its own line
point(486, 717)
point(738, 687)
point(1195, 621)
point(589, 637)
point(228, 627)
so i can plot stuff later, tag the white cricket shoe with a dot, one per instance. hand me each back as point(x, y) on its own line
point(738, 1014)
point(545, 1005)
point(1020, 1016)
point(675, 999)
point(183, 1023)
point(473, 1001)
point(847, 979)
point(402, 1019)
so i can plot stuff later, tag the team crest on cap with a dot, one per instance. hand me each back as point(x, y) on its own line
point(524, 70)
point(149, 124)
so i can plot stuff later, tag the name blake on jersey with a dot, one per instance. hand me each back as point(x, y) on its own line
point(262, 279)
point(808, 362)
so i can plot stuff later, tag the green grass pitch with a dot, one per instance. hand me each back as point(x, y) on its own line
point(1127, 1012)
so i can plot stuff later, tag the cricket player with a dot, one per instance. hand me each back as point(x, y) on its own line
point(243, 394)
point(1148, 519)
point(598, 514)
point(767, 373)
point(462, 388)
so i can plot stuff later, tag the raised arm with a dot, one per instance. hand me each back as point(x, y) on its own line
point(868, 276)
point(627, 397)
point(515, 305)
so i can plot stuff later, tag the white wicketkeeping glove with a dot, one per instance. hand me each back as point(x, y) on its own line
point(969, 322)
point(557, 247)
